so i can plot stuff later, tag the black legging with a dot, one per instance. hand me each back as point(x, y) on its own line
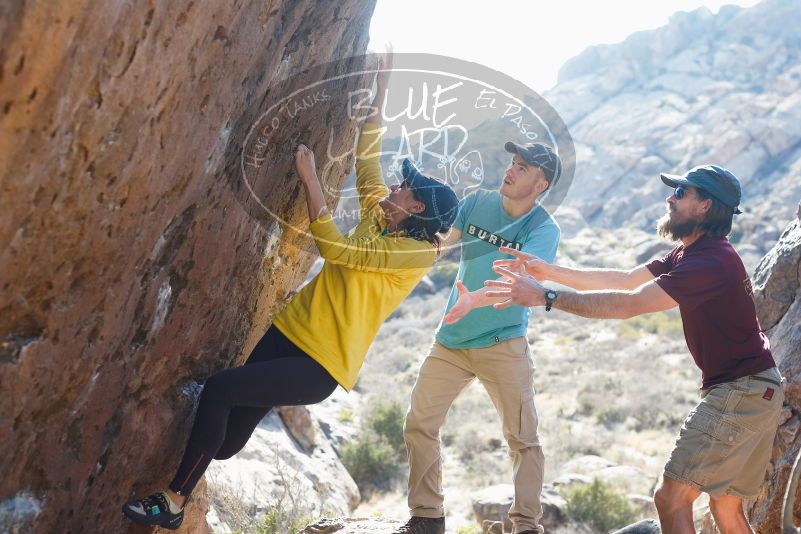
point(234, 401)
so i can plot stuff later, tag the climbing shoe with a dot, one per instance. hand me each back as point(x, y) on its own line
point(423, 525)
point(154, 510)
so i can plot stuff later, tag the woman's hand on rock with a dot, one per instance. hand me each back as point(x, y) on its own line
point(304, 164)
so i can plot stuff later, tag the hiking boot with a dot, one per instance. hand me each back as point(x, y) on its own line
point(423, 525)
point(154, 510)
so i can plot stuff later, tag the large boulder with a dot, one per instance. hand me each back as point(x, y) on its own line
point(646, 526)
point(492, 504)
point(276, 474)
point(134, 261)
point(777, 293)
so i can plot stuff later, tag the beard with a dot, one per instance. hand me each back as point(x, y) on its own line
point(674, 230)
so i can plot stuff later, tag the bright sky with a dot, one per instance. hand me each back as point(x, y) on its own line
point(527, 40)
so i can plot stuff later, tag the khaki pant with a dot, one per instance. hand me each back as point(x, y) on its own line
point(506, 371)
point(725, 443)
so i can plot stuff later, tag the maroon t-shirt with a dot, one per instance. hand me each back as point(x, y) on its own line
point(710, 283)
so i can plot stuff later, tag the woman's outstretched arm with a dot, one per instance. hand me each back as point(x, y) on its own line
point(370, 182)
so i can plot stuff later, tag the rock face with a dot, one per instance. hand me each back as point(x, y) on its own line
point(133, 262)
point(777, 286)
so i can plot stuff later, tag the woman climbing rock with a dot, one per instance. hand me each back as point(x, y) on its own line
point(321, 338)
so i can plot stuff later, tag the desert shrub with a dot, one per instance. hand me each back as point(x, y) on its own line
point(611, 415)
point(370, 460)
point(374, 457)
point(386, 420)
point(345, 415)
point(660, 323)
point(598, 505)
point(278, 521)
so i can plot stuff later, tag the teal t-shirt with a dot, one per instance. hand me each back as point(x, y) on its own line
point(485, 228)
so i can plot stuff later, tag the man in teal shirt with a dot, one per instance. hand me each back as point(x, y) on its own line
point(486, 343)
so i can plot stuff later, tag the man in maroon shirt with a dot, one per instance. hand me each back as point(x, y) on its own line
point(725, 443)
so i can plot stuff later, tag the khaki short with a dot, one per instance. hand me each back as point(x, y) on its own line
point(726, 442)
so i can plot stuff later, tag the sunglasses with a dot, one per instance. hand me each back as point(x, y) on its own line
point(680, 191)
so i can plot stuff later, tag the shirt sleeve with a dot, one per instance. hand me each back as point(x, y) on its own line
point(374, 253)
point(662, 265)
point(543, 242)
point(370, 183)
point(693, 281)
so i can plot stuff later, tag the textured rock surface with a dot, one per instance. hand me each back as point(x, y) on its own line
point(133, 264)
point(646, 526)
point(299, 424)
point(352, 526)
point(778, 297)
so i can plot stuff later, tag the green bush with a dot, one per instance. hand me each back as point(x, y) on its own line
point(386, 420)
point(278, 521)
point(611, 415)
point(598, 505)
point(659, 323)
point(370, 460)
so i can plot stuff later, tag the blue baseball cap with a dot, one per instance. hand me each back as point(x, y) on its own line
point(440, 200)
point(539, 155)
point(717, 181)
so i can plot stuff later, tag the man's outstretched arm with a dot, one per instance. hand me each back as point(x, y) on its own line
point(577, 278)
point(525, 290)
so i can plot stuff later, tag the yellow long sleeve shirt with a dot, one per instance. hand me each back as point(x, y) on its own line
point(366, 274)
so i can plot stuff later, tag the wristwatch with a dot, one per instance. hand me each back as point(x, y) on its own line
point(550, 298)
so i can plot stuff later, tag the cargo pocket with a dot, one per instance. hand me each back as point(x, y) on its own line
point(528, 419)
point(709, 440)
point(721, 431)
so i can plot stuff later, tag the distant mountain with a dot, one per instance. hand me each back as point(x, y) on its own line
point(705, 88)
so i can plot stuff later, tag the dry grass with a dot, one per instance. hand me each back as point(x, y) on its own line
point(280, 510)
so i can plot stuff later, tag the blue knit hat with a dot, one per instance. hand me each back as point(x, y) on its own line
point(440, 200)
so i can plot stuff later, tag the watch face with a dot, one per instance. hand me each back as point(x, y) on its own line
point(551, 294)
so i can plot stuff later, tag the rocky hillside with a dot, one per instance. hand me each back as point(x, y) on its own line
point(721, 88)
point(134, 262)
